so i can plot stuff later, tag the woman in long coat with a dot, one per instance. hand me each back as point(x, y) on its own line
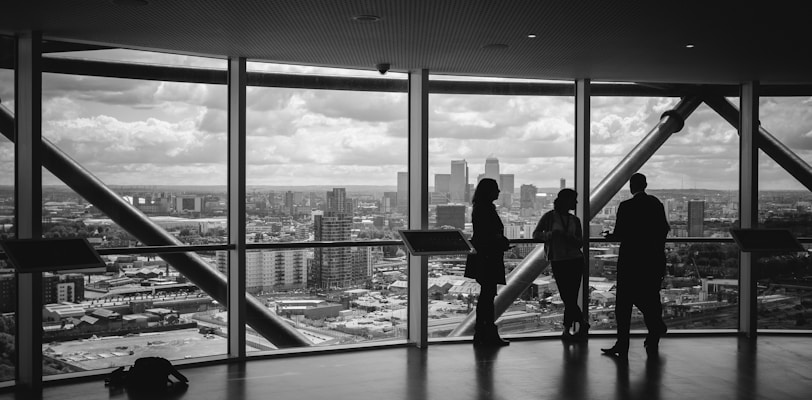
point(487, 265)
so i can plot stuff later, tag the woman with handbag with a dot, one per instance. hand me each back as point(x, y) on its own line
point(487, 264)
point(561, 233)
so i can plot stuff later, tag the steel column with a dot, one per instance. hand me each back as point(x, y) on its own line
point(748, 204)
point(418, 202)
point(28, 195)
point(198, 271)
point(236, 207)
point(671, 121)
point(771, 146)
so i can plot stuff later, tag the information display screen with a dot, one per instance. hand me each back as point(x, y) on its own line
point(47, 255)
point(435, 242)
point(766, 240)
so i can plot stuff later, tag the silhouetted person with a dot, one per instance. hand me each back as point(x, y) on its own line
point(641, 228)
point(487, 265)
point(561, 233)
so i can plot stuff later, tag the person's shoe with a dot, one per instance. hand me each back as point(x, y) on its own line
point(494, 342)
point(583, 333)
point(653, 338)
point(499, 342)
point(566, 336)
point(652, 349)
point(616, 352)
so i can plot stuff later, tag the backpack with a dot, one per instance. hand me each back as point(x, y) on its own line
point(148, 374)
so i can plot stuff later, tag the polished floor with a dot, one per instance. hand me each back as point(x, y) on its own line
point(722, 367)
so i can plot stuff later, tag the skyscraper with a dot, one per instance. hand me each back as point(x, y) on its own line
point(337, 201)
point(563, 183)
point(527, 196)
point(492, 168)
point(332, 266)
point(696, 218)
point(442, 183)
point(403, 192)
point(506, 190)
point(459, 181)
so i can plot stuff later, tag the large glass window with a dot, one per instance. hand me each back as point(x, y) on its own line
point(695, 175)
point(525, 143)
point(150, 169)
point(784, 290)
point(328, 165)
point(8, 285)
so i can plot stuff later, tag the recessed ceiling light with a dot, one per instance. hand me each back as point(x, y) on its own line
point(689, 46)
point(130, 3)
point(531, 35)
point(495, 46)
point(366, 18)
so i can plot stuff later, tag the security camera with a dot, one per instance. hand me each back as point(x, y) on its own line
point(382, 68)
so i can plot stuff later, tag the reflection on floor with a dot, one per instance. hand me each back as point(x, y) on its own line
point(721, 367)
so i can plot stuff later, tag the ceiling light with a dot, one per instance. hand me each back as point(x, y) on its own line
point(531, 35)
point(689, 46)
point(130, 3)
point(495, 46)
point(366, 18)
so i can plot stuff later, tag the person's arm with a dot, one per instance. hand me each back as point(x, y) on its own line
point(541, 233)
point(578, 239)
point(664, 220)
point(617, 234)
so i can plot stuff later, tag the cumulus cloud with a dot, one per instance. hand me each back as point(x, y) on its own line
point(144, 132)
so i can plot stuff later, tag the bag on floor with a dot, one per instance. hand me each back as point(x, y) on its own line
point(148, 374)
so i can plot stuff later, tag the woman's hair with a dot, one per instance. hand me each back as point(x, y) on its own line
point(484, 191)
point(561, 200)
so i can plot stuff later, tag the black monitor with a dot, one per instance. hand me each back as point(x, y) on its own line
point(766, 240)
point(435, 242)
point(52, 255)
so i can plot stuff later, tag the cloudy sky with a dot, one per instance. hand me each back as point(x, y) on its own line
point(131, 132)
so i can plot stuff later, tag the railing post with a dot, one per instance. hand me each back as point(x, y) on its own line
point(418, 206)
point(748, 204)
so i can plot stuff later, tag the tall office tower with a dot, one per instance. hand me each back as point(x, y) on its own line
point(451, 215)
point(527, 197)
point(389, 202)
point(696, 218)
point(563, 183)
point(362, 261)
point(513, 231)
point(403, 192)
point(442, 183)
point(506, 188)
point(290, 202)
point(336, 201)
point(332, 266)
point(492, 168)
point(459, 181)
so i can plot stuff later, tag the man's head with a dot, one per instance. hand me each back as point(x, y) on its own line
point(637, 183)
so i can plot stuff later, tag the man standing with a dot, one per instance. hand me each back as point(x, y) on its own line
point(641, 228)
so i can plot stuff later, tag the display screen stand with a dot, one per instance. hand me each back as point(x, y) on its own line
point(435, 242)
